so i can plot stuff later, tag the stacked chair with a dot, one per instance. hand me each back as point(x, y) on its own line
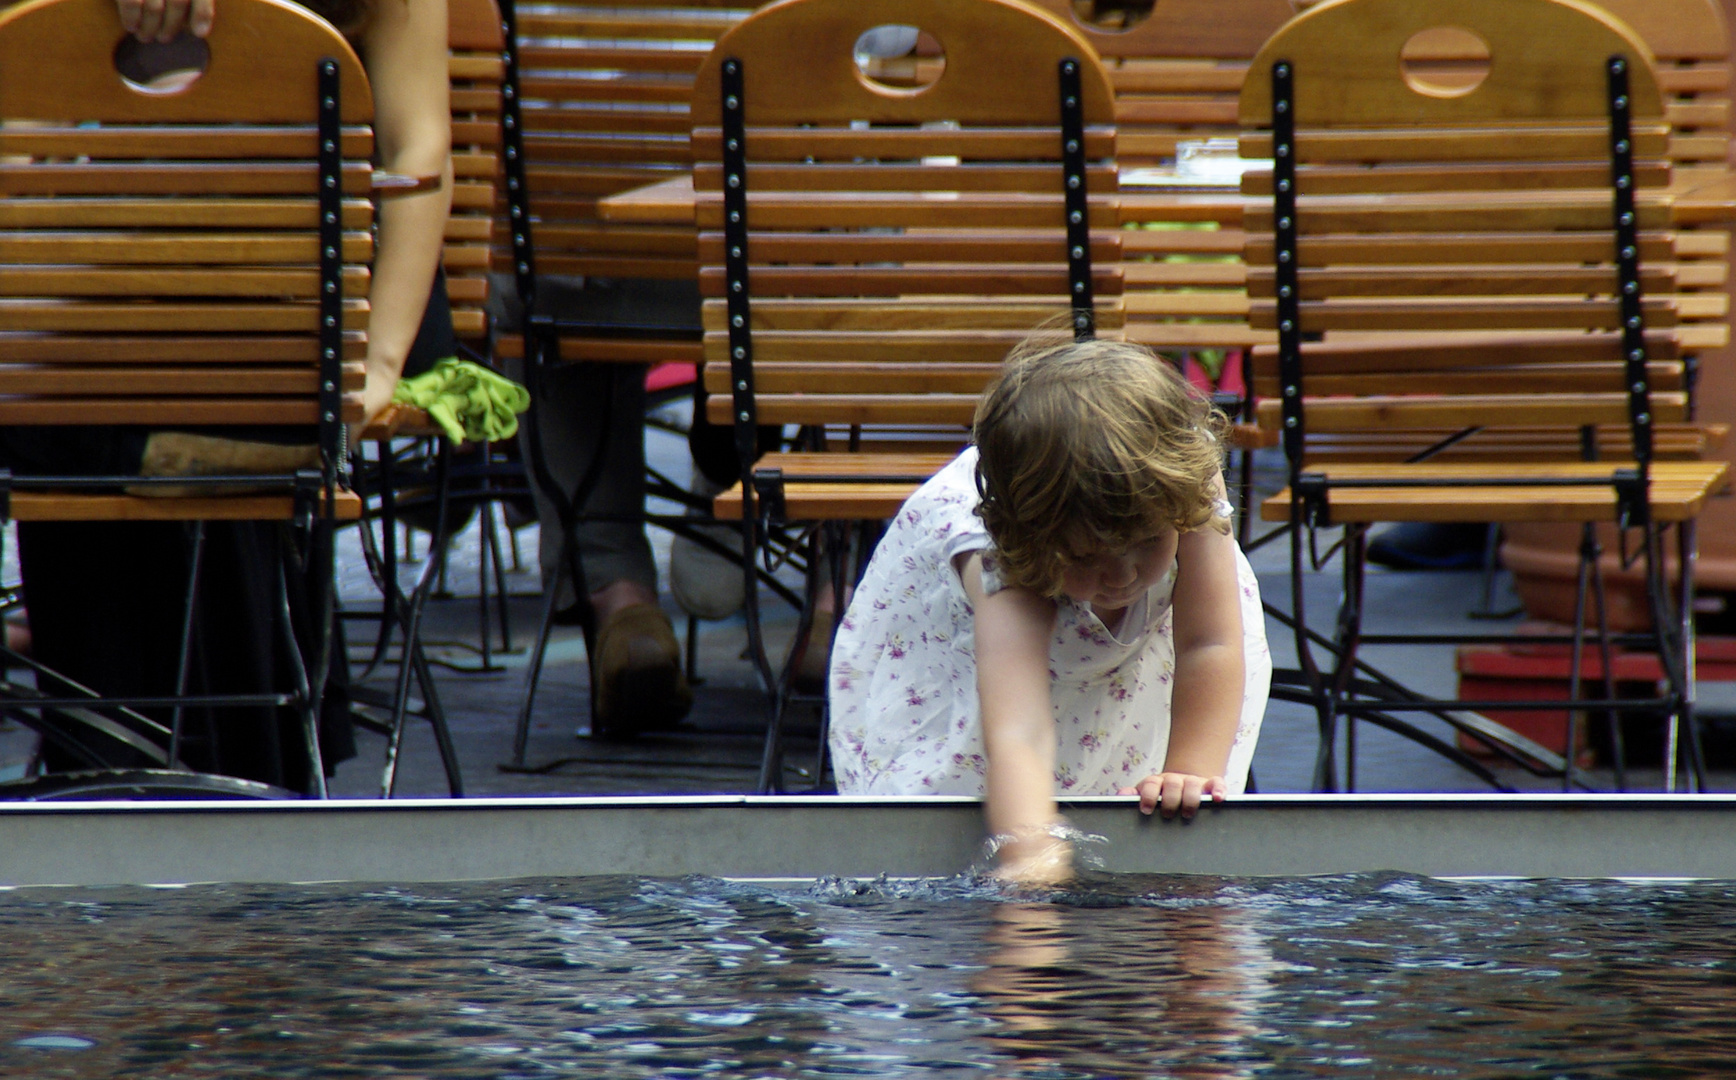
point(177, 258)
point(869, 250)
point(1452, 256)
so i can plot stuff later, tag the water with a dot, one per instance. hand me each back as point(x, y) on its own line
point(626, 978)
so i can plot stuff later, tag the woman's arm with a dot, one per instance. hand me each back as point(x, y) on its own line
point(404, 50)
point(1013, 628)
point(1206, 702)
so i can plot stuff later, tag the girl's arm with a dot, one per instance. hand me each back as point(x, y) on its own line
point(405, 53)
point(1013, 628)
point(1206, 702)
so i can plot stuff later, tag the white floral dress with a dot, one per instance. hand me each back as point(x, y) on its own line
point(905, 718)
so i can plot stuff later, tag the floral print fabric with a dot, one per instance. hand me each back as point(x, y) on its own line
point(905, 718)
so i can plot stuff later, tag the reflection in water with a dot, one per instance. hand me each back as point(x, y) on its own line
point(1115, 991)
point(627, 978)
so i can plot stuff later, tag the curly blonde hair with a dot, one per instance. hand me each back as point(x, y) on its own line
point(1090, 446)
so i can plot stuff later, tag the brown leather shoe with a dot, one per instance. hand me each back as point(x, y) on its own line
point(639, 682)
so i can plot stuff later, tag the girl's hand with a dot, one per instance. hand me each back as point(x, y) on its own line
point(1037, 859)
point(1173, 791)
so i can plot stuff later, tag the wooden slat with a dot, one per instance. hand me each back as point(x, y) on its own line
point(86, 317)
point(918, 280)
point(170, 348)
point(1492, 214)
point(1472, 410)
point(172, 248)
point(228, 141)
point(165, 281)
point(878, 210)
point(55, 506)
point(1531, 379)
point(81, 381)
point(1318, 283)
point(1588, 141)
point(926, 317)
point(1410, 248)
point(1452, 176)
point(825, 176)
point(99, 178)
point(167, 213)
point(1678, 490)
point(891, 144)
point(956, 245)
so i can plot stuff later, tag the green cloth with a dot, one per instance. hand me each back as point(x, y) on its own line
point(468, 401)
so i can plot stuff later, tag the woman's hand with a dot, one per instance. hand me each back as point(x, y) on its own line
point(1170, 792)
point(163, 20)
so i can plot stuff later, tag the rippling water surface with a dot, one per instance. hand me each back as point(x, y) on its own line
point(625, 978)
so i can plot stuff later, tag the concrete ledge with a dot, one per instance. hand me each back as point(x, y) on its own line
point(1680, 836)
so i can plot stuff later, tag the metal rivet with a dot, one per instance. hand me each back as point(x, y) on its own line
point(1289, 421)
point(1078, 286)
point(736, 321)
point(512, 182)
point(329, 417)
point(330, 146)
point(510, 122)
point(735, 286)
point(330, 386)
point(329, 103)
point(735, 252)
point(1072, 146)
point(1283, 185)
point(509, 91)
point(735, 215)
point(1075, 217)
point(742, 416)
point(1283, 256)
point(331, 252)
point(1643, 418)
point(1621, 146)
point(1071, 101)
point(1628, 252)
point(1069, 67)
point(733, 180)
point(1283, 70)
point(512, 153)
point(331, 218)
point(524, 268)
point(1283, 223)
point(331, 287)
point(1073, 183)
point(1618, 66)
point(1286, 326)
point(1621, 101)
point(1634, 322)
point(1081, 320)
point(1637, 355)
point(330, 321)
point(516, 212)
point(1283, 106)
point(1289, 391)
point(732, 67)
point(734, 144)
point(1623, 182)
point(1078, 252)
point(331, 181)
point(331, 354)
point(1639, 388)
point(1283, 150)
point(732, 102)
point(1630, 287)
point(1627, 217)
point(1284, 292)
point(741, 384)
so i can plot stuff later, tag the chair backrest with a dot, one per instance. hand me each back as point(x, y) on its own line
point(161, 252)
point(1453, 256)
point(603, 87)
point(897, 240)
point(475, 40)
point(1178, 71)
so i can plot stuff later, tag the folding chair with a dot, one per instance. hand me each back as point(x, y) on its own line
point(596, 105)
point(184, 255)
point(870, 251)
point(1438, 256)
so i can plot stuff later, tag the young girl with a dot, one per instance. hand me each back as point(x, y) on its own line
point(1063, 608)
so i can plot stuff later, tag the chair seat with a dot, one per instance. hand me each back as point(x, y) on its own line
point(823, 486)
point(1678, 489)
point(62, 506)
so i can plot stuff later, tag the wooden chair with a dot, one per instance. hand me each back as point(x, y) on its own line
point(1443, 258)
point(869, 251)
point(177, 257)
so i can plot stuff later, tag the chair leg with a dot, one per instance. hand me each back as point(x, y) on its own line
point(195, 564)
point(1675, 636)
point(309, 689)
point(1349, 638)
point(1606, 653)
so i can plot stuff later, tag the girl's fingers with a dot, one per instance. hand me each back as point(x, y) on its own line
point(1173, 793)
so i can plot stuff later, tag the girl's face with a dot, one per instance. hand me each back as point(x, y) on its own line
point(1111, 580)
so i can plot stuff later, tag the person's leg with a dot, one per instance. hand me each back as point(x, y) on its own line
point(584, 410)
